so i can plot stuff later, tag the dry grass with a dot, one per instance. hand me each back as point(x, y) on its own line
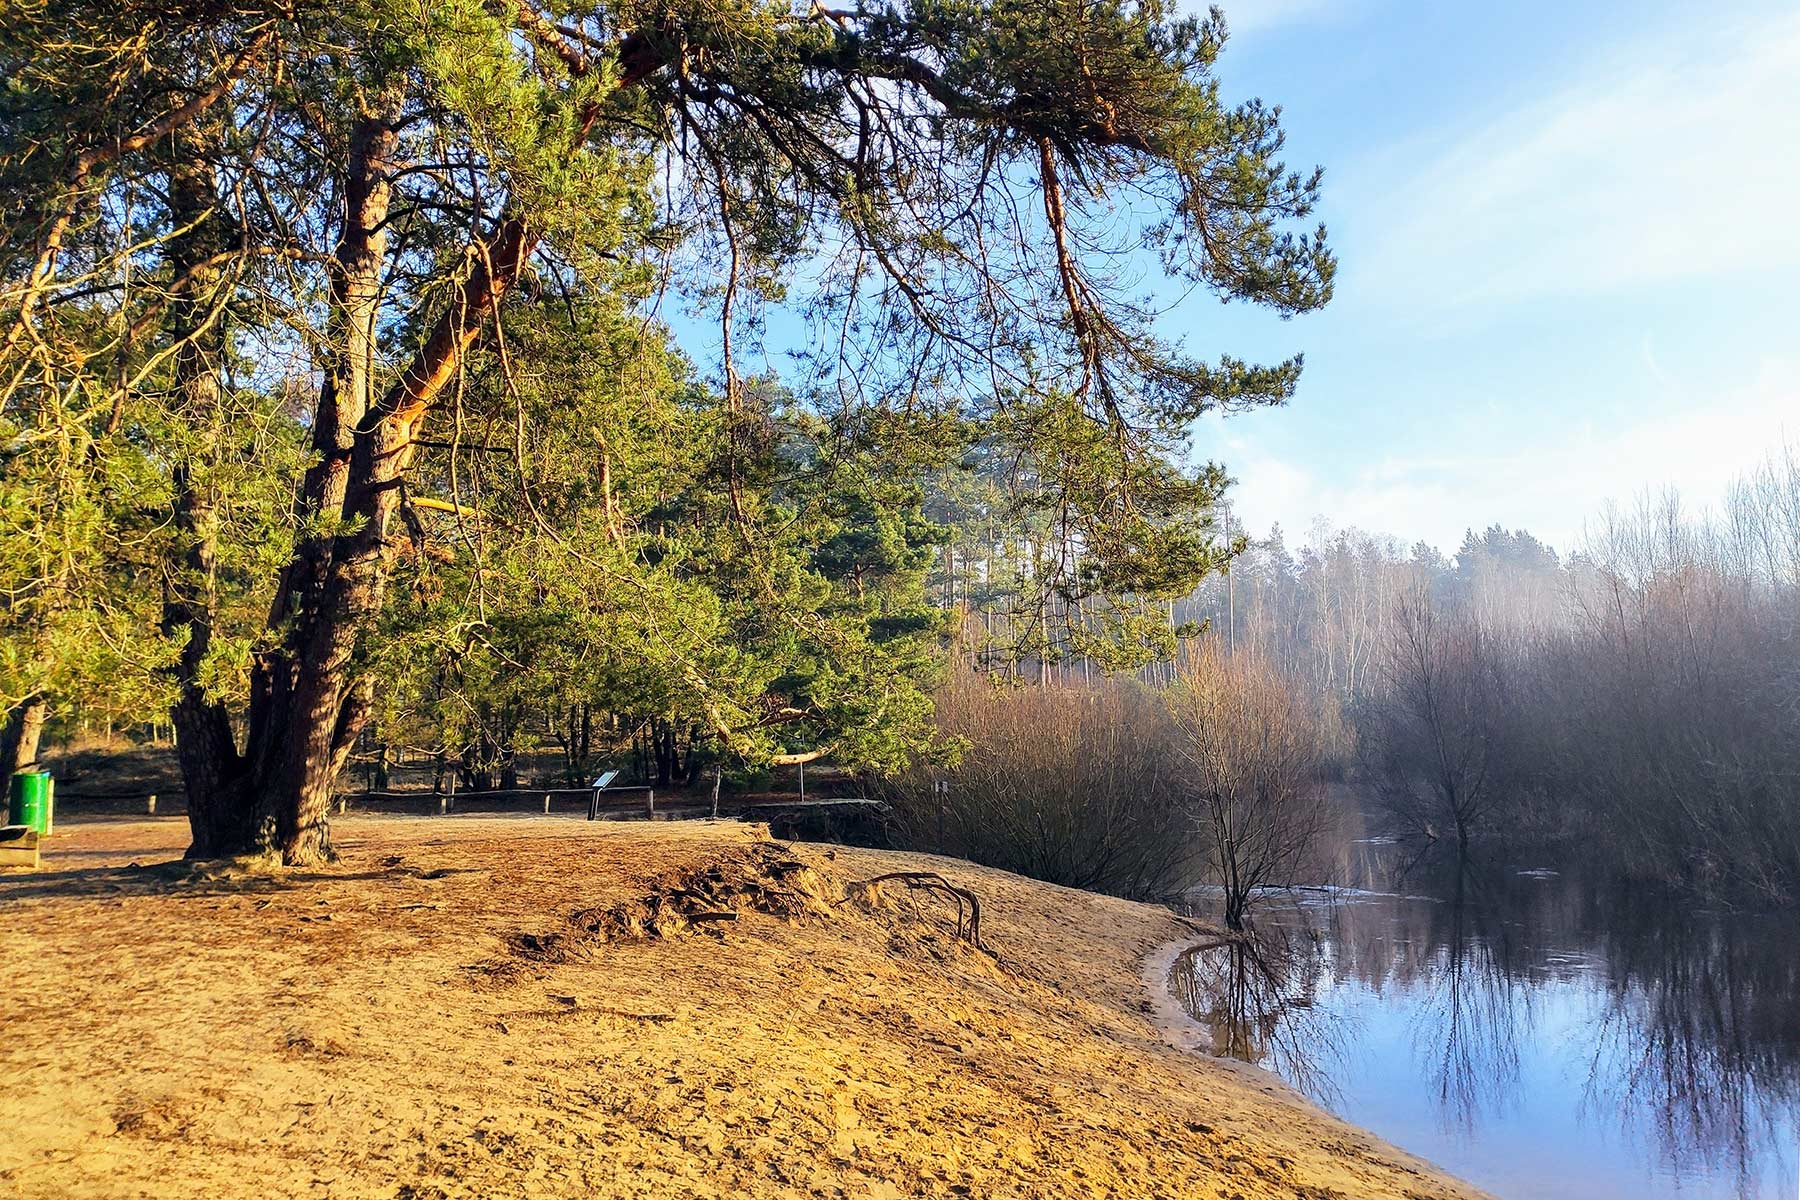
point(323, 1033)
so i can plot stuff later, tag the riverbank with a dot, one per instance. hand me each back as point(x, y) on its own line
point(421, 1020)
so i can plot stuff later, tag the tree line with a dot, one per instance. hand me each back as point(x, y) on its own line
point(1646, 719)
point(1634, 704)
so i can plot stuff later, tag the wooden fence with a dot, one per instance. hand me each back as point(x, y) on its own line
point(595, 800)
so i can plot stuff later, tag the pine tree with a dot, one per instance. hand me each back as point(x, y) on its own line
point(338, 206)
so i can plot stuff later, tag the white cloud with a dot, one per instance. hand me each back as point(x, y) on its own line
point(1550, 486)
point(1249, 17)
point(1671, 159)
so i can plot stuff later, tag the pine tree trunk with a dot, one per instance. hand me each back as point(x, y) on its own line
point(222, 811)
point(24, 733)
point(662, 735)
point(306, 708)
point(307, 704)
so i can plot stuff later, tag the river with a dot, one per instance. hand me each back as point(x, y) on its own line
point(1534, 1032)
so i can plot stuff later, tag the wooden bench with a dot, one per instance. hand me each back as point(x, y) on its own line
point(18, 846)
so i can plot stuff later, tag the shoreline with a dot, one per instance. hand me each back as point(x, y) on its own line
point(375, 1029)
point(1179, 1028)
point(1186, 1034)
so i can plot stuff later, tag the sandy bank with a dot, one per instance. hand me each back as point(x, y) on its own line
point(323, 1034)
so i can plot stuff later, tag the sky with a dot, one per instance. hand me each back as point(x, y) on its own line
point(1569, 261)
point(1569, 240)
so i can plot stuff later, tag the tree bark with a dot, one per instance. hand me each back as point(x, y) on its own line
point(221, 812)
point(307, 700)
point(306, 707)
point(24, 733)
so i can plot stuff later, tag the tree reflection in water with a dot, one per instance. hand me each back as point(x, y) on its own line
point(1254, 995)
point(1466, 1033)
point(1530, 1004)
point(1701, 1036)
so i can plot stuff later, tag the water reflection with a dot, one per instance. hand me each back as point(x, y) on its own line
point(1539, 1034)
point(1467, 1028)
point(1701, 1033)
point(1255, 998)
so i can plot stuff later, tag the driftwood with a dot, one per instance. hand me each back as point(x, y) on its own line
point(968, 919)
point(1218, 945)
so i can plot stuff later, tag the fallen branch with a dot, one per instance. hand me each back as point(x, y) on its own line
point(1218, 945)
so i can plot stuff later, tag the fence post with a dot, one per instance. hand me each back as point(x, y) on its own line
point(150, 804)
point(650, 805)
point(546, 804)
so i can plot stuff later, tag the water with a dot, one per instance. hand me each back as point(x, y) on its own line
point(1537, 1035)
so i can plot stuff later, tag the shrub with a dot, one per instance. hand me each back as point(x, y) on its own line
point(1252, 759)
point(1077, 786)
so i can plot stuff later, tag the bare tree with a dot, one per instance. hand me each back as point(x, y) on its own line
point(1252, 782)
point(1430, 744)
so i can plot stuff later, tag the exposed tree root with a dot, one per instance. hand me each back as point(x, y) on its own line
point(767, 878)
point(968, 907)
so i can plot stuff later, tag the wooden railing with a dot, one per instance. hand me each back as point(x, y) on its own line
point(596, 799)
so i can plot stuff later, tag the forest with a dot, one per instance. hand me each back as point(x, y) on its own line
point(1632, 703)
point(359, 399)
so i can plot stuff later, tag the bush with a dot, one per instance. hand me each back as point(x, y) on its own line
point(1077, 786)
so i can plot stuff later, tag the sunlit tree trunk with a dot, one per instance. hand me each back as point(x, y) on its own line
point(24, 734)
point(306, 707)
point(222, 812)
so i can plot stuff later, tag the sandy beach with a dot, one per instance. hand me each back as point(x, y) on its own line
point(724, 1017)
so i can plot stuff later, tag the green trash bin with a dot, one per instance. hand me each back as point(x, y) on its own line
point(31, 800)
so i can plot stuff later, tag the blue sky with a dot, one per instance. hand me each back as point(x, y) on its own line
point(1569, 240)
point(1569, 244)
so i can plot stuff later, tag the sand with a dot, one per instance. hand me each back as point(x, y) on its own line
point(421, 1020)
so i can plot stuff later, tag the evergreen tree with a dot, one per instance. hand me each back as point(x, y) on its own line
point(342, 207)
